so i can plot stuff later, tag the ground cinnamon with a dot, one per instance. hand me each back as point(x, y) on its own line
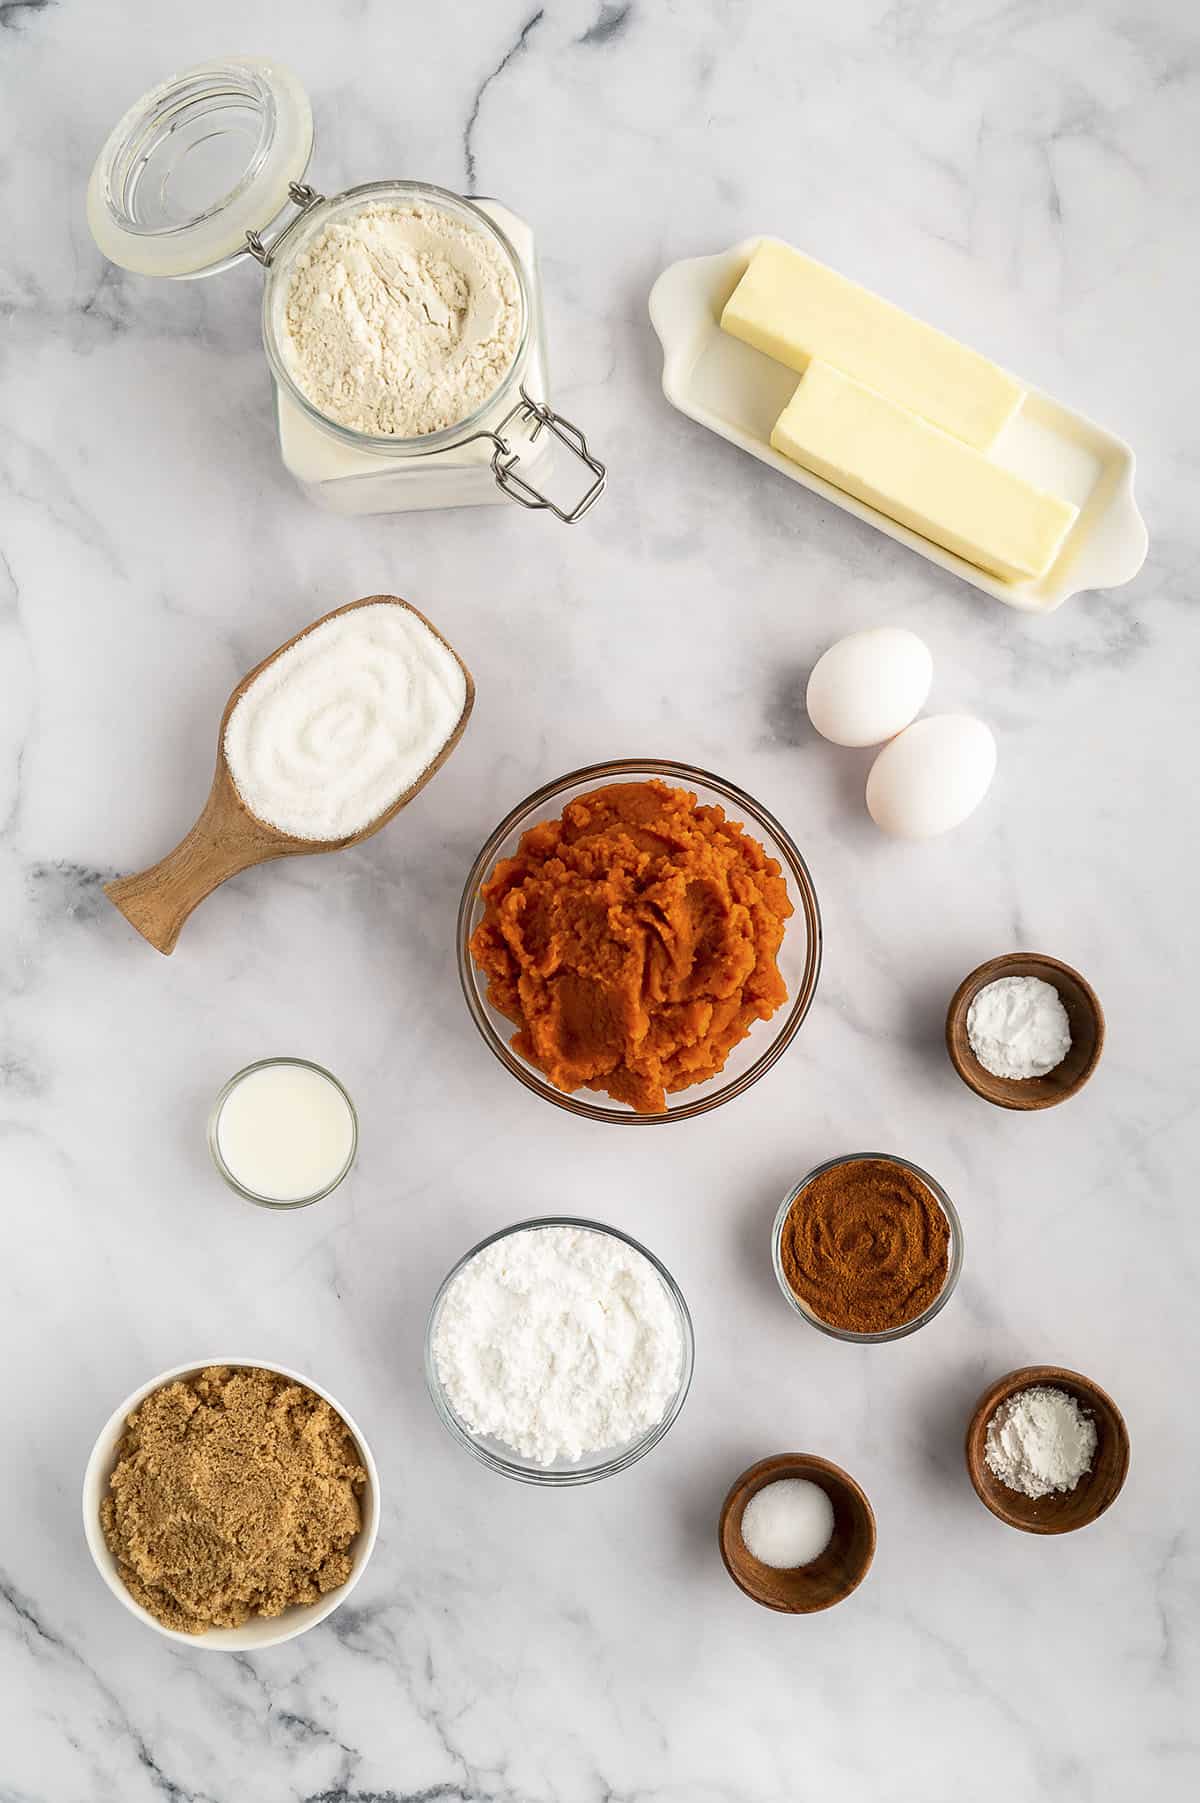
point(866, 1245)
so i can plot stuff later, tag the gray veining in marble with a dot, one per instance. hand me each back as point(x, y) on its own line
point(1027, 175)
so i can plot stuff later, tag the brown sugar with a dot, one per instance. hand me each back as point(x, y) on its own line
point(633, 942)
point(235, 1493)
point(866, 1245)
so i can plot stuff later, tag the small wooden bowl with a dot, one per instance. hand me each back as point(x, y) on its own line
point(1092, 1495)
point(840, 1569)
point(1087, 1034)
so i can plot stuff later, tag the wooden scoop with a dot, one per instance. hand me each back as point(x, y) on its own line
point(228, 838)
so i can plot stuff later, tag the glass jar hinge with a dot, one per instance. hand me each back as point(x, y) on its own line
point(305, 199)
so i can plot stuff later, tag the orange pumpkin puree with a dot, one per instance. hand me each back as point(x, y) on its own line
point(633, 942)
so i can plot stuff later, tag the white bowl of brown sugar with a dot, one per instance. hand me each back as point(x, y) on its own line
point(231, 1504)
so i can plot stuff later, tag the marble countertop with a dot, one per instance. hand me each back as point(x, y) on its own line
point(1027, 177)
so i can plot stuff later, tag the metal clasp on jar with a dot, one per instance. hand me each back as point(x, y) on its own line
point(301, 196)
point(505, 458)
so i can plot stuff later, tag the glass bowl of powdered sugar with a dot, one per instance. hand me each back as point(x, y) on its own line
point(559, 1351)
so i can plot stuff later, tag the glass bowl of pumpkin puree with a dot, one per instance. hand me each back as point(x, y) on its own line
point(639, 941)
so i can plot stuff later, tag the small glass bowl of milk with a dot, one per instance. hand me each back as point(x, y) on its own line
point(283, 1133)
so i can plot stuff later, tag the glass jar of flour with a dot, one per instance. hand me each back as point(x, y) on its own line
point(442, 291)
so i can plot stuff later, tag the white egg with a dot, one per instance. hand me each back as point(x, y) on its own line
point(932, 776)
point(867, 687)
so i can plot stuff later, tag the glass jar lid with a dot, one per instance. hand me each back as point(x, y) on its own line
point(194, 165)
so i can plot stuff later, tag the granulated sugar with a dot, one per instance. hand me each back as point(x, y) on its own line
point(345, 721)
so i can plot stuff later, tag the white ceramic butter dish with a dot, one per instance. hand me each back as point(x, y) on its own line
point(739, 393)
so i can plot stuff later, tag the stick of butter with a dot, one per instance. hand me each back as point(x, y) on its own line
point(795, 309)
point(934, 484)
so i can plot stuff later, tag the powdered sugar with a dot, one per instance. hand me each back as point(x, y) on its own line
point(559, 1341)
point(1040, 1441)
point(400, 320)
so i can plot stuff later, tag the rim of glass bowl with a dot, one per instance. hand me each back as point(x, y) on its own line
point(801, 891)
point(524, 1471)
point(952, 1270)
point(223, 1170)
point(275, 295)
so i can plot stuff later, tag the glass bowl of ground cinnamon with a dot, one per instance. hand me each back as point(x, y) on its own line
point(867, 1247)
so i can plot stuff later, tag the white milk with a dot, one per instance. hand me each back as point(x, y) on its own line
point(285, 1131)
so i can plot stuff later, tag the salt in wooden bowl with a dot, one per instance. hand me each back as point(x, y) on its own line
point(830, 1578)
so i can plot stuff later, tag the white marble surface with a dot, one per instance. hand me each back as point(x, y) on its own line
point(1026, 175)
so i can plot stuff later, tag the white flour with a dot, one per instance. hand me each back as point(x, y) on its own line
point(1040, 1441)
point(1018, 1027)
point(335, 730)
point(559, 1341)
point(400, 321)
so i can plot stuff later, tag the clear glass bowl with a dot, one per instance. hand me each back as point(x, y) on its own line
point(235, 1184)
point(499, 1457)
point(952, 1270)
point(799, 955)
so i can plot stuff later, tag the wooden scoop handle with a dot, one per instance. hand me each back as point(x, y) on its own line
point(157, 901)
